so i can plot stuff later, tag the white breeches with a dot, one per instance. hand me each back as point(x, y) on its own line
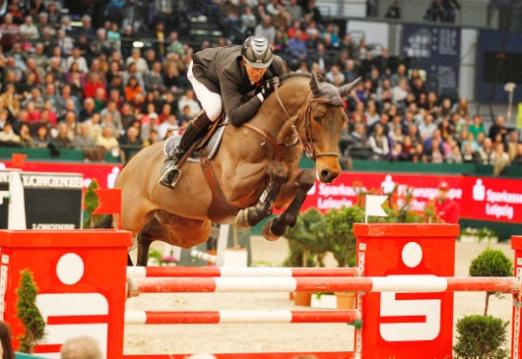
point(210, 101)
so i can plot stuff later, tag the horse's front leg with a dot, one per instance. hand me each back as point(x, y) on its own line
point(276, 227)
point(251, 216)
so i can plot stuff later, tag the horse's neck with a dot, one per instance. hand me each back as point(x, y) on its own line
point(293, 96)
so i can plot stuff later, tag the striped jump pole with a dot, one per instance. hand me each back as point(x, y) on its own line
point(151, 272)
point(242, 316)
point(398, 283)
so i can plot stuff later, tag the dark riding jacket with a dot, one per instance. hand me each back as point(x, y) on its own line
point(220, 69)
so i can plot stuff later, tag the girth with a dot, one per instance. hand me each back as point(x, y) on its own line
point(219, 208)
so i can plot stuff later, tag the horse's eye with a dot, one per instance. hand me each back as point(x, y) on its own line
point(317, 118)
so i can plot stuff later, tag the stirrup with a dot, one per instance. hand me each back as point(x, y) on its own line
point(170, 176)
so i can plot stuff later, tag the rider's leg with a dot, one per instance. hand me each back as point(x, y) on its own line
point(212, 107)
point(196, 128)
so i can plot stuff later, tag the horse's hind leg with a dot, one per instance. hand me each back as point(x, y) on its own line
point(251, 216)
point(151, 232)
point(277, 226)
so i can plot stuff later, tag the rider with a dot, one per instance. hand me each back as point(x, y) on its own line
point(236, 78)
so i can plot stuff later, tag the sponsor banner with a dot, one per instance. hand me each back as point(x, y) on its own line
point(479, 198)
point(493, 199)
point(485, 199)
point(51, 201)
point(104, 173)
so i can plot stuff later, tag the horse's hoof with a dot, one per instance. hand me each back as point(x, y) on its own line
point(267, 232)
point(241, 219)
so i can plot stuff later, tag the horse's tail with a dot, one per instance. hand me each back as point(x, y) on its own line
point(105, 222)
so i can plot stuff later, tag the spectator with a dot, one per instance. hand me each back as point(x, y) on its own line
point(435, 11)
point(62, 139)
point(77, 58)
point(9, 31)
point(170, 124)
point(447, 209)
point(372, 9)
point(266, 29)
point(517, 160)
point(79, 348)
point(153, 138)
point(132, 89)
point(154, 79)
point(6, 343)
point(92, 84)
point(8, 137)
point(512, 144)
point(335, 76)
point(394, 10)
point(499, 127)
point(9, 100)
point(487, 155)
point(371, 114)
point(501, 159)
point(26, 140)
point(29, 29)
point(108, 141)
point(130, 143)
point(379, 143)
point(83, 139)
point(427, 127)
point(189, 100)
point(41, 138)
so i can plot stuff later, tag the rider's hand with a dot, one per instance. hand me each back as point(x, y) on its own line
point(267, 87)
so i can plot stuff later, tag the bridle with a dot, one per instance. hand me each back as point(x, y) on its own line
point(309, 138)
point(308, 141)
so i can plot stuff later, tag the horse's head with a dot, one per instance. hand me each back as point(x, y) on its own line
point(323, 122)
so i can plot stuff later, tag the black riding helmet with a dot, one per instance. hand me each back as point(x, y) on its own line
point(257, 52)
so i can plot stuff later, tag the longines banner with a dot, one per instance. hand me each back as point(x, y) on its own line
point(105, 174)
point(479, 198)
point(50, 200)
point(436, 50)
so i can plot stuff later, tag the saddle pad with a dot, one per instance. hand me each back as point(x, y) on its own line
point(212, 145)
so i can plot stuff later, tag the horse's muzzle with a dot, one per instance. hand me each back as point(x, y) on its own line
point(327, 175)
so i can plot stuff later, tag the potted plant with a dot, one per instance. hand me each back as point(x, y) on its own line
point(338, 229)
point(28, 313)
point(480, 336)
point(306, 246)
point(483, 336)
point(491, 263)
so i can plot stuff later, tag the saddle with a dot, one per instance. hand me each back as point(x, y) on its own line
point(207, 146)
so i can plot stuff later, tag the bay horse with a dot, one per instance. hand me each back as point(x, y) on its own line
point(254, 170)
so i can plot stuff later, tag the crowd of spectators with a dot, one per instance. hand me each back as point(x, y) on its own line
point(94, 88)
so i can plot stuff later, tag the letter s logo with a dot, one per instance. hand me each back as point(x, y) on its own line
point(399, 332)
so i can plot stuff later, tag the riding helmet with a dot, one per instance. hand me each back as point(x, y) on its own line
point(257, 52)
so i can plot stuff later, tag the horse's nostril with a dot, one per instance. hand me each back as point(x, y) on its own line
point(325, 174)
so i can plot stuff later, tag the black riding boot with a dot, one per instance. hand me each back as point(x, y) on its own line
point(196, 128)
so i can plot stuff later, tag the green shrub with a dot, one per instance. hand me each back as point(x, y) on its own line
point(306, 240)
point(339, 233)
point(28, 313)
point(491, 263)
point(481, 337)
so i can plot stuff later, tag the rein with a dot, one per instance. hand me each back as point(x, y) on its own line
point(308, 141)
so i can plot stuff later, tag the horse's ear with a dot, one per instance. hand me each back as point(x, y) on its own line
point(314, 85)
point(345, 89)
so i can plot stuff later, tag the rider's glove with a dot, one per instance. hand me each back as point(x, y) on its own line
point(266, 89)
